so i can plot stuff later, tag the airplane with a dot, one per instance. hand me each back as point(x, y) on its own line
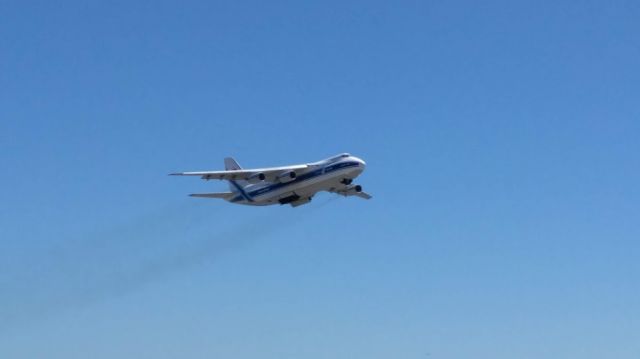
point(294, 185)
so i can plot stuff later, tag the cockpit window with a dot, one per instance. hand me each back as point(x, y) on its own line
point(340, 156)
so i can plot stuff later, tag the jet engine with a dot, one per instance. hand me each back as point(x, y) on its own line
point(256, 178)
point(287, 177)
point(352, 190)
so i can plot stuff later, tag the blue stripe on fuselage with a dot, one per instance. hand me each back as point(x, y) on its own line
point(241, 190)
point(304, 177)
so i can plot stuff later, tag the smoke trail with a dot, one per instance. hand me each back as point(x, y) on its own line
point(151, 248)
point(47, 278)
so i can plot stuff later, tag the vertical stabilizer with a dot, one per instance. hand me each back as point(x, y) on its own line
point(230, 164)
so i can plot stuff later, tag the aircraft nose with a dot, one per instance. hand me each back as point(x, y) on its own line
point(362, 163)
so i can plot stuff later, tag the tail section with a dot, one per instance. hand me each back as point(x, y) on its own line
point(223, 195)
point(231, 164)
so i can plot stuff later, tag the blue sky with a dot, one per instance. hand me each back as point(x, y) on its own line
point(502, 147)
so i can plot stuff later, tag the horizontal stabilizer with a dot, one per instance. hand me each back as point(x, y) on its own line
point(223, 195)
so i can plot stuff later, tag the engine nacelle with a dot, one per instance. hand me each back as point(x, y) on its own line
point(256, 178)
point(352, 190)
point(287, 177)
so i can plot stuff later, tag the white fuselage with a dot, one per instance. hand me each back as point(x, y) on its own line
point(325, 175)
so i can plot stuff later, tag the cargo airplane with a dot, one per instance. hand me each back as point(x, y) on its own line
point(294, 185)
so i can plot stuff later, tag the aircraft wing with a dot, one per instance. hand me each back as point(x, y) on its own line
point(351, 190)
point(364, 195)
point(269, 174)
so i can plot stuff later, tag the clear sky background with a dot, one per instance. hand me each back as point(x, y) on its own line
point(502, 143)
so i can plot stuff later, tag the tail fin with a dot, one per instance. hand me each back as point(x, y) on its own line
point(230, 164)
